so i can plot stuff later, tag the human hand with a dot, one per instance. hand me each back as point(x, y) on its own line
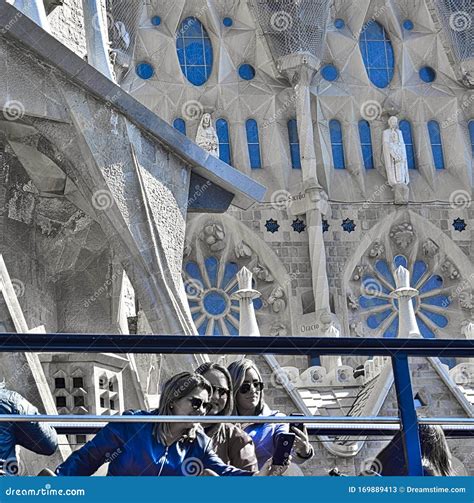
point(271, 470)
point(302, 446)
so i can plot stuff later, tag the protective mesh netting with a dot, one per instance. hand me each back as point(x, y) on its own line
point(457, 17)
point(293, 26)
point(122, 19)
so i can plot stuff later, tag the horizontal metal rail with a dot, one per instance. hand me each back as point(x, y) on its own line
point(177, 344)
point(316, 425)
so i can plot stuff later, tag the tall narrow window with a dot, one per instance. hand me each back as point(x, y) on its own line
point(222, 128)
point(253, 141)
point(294, 144)
point(436, 144)
point(180, 125)
point(377, 53)
point(195, 53)
point(471, 135)
point(337, 145)
point(366, 144)
point(405, 128)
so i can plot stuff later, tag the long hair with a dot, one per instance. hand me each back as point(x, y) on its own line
point(237, 372)
point(435, 454)
point(434, 450)
point(217, 431)
point(175, 388)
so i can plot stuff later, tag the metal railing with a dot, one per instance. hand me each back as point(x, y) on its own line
point(398, 349)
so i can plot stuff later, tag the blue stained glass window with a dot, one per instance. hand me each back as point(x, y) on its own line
point(214, 303)
point(294, 144)
point(222, 128)
point(228, 22)
point(366, 144)
point(337, 145)
point(339, 23)
point(253, 142)
point(194, 49)
point(471, 135)
point(408, 24)
point(156, 20)
point(419, 270)
point(144, 70)
point(330, 72)
point(246, 72)
point(377, 53)
point(436, 144)
point(405, 128)
point(211, 267)
point(180, 125)
point(375, 320)
point(427, 74)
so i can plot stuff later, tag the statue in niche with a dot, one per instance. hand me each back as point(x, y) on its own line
point(206, 136)
point(395, 158)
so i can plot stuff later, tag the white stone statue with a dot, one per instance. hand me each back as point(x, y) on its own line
point(206, 136)
point(395, 155)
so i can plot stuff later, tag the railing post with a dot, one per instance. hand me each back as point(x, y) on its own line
point(408, 418)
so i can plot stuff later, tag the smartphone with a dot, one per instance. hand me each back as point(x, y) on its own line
point(284, 445)
point(298, 426)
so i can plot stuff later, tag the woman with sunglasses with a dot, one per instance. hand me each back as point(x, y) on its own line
point(157, 449)
point(229, 441)
point(249, 401)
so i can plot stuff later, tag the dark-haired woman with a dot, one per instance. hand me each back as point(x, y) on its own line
point(229, 441)
point(435, 454)
point(249, 401)
point(157, 449)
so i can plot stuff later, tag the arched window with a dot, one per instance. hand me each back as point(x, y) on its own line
point(294, 144)
point(180, 125)
point(194, 49)
point(405, 128)
point(337, 145)
point(253, 141)
point(222, 128)
point(366, 144)
point(377, 53)
point(471, 134)
point(436, 144)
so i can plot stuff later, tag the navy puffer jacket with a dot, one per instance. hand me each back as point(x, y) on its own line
point(37, 437)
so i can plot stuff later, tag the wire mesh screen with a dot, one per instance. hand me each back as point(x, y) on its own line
point(293, 26)
point(457, 17)
point(123, 17)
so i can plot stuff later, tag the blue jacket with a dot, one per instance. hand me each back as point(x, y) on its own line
point(37, 437)
point(133, 449)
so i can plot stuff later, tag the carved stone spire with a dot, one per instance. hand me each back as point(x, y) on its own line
point(407, 326)
point(248, 322)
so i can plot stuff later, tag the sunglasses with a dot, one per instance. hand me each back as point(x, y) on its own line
point(198, 403)
point(245, 388)
point(220, 391)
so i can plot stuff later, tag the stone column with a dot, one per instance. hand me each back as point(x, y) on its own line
point(315, 197)
point(97, 38)
point(407, 326)
point(248, 321)
point(35, 10)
